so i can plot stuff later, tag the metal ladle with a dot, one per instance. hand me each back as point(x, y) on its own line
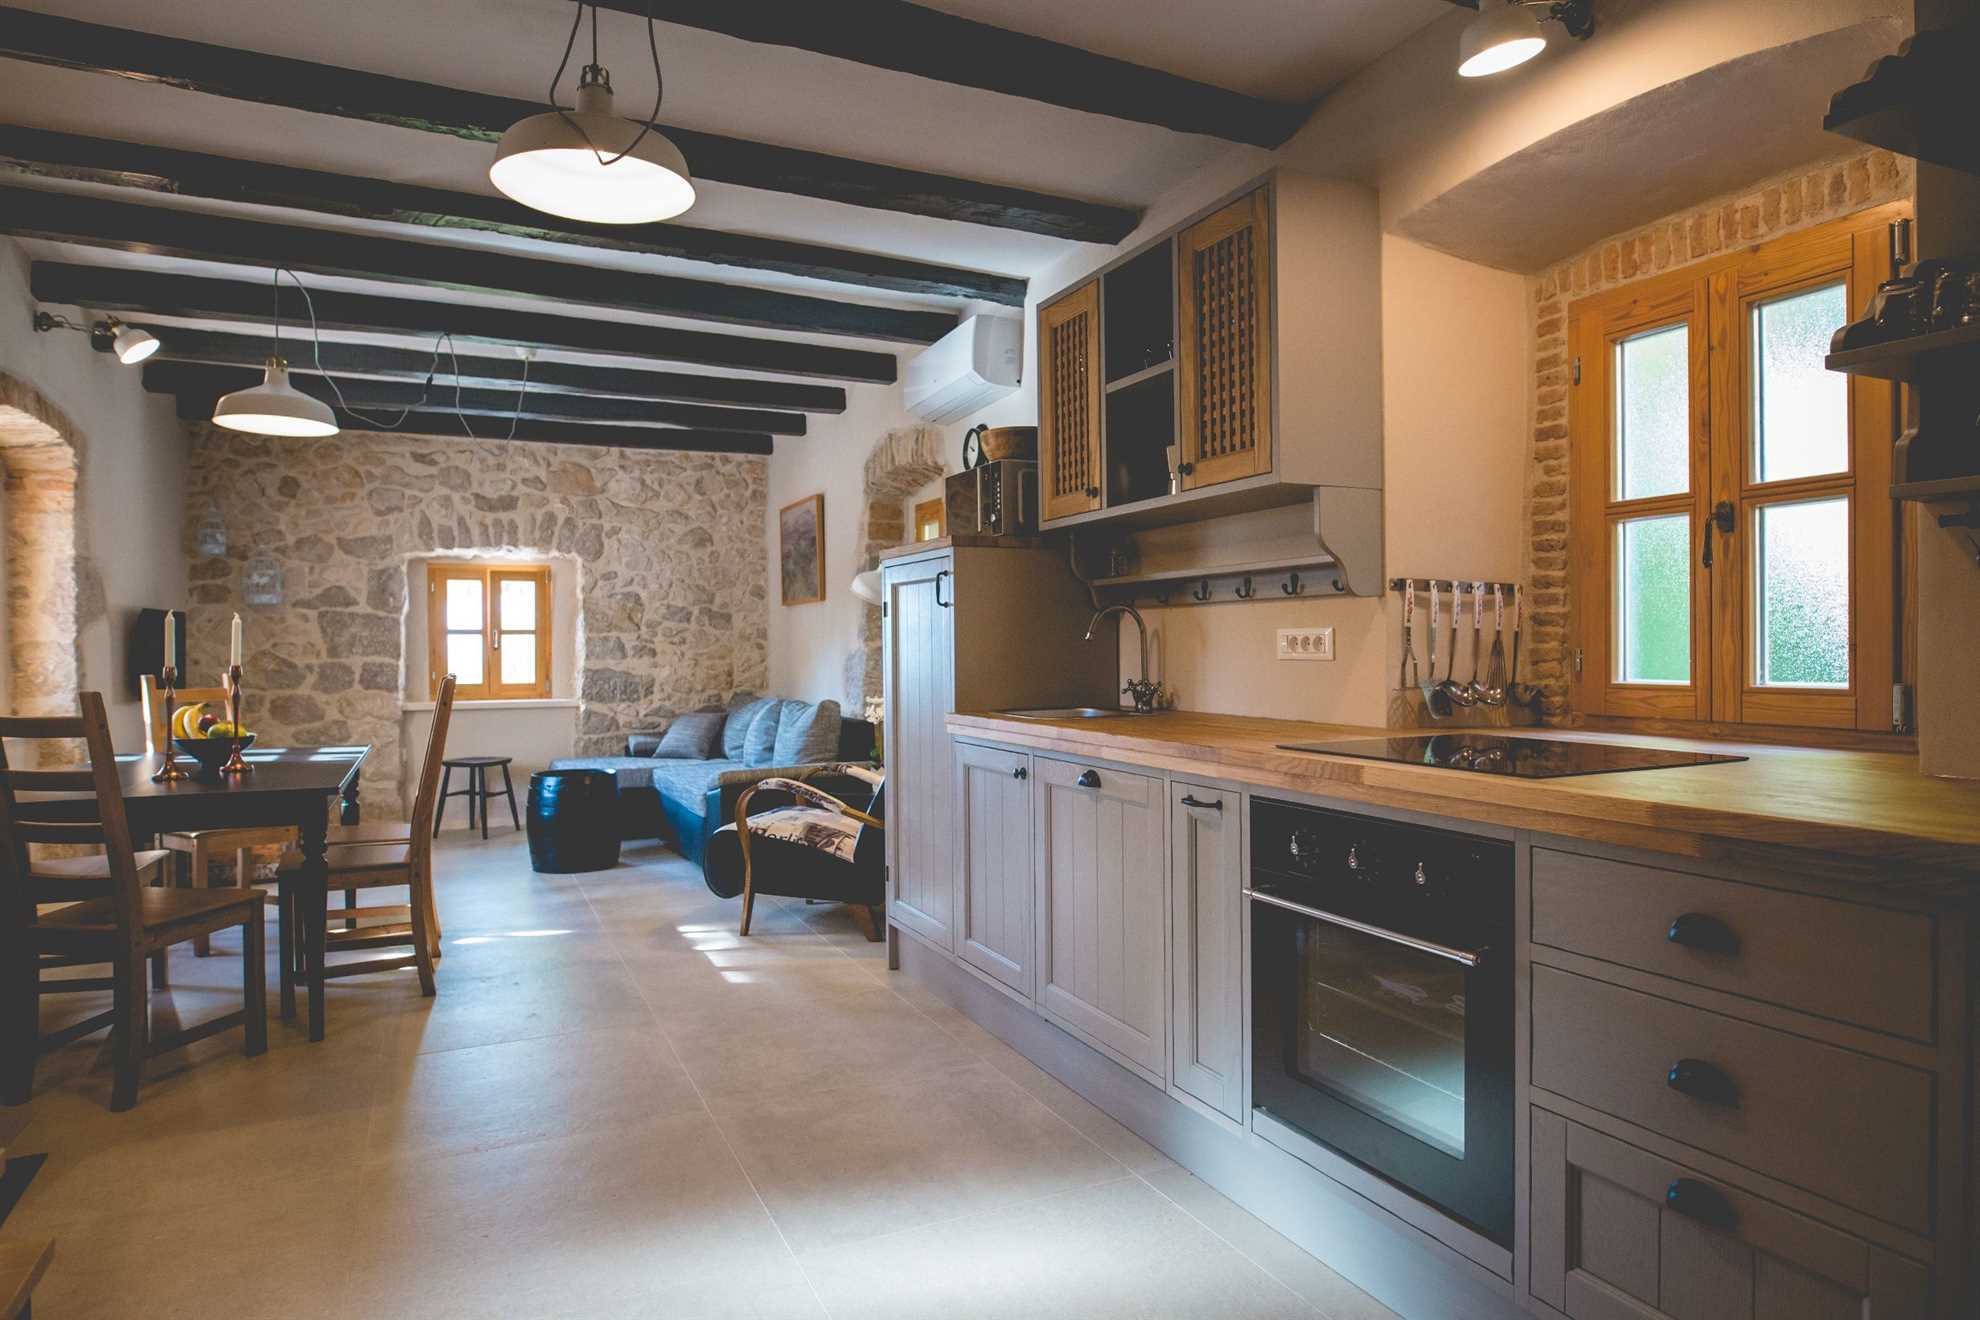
point(1434, 699)
point(1453, 691)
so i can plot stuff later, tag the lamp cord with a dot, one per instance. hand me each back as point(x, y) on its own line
point(659, 81)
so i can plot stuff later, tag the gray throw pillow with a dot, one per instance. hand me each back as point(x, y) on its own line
point(807, 733)
point(735, 731)
point(642, 744)
point(760, 743)
point(692, 737)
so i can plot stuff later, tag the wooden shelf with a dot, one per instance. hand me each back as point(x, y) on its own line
point(1262, 568)
point(1943, 488)
point(1923, 101)
point(1914, 356)
point(1132, 379)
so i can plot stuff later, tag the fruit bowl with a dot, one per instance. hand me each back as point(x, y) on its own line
point(211, 753)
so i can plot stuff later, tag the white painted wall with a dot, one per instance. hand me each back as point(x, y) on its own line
point(130, 502)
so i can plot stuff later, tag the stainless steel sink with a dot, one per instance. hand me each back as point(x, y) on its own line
point(1063, 713)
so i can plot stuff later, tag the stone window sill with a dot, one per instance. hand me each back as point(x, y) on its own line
point(517, 703)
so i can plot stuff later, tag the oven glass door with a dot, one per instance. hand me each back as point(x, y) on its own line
point(1397, 1053)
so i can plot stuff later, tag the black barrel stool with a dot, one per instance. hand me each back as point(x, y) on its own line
point(476, 792)
point(573, 821)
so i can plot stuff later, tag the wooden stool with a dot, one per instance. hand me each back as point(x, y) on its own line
point(476, 792)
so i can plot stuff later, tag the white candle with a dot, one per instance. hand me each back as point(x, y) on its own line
point(234, 656)
point(171, 640)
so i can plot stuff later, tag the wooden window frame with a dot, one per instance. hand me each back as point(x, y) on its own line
point(935, 510)
point(491, 576)
point(1715, 299)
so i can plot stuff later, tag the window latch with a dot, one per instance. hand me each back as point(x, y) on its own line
point(1721, 517)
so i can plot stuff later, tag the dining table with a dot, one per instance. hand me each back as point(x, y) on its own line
point(287, 786)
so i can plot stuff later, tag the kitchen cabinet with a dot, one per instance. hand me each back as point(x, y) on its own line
point(1622, 1234)
point(920, 658)
point(1225, 357)
point(1069, 389)
point(1102, 959)
point(991, 825)
point(1206, 909)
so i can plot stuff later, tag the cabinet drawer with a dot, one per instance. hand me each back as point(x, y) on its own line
point(1848, 961)
point(1843, 1125)
point(1622, 1234)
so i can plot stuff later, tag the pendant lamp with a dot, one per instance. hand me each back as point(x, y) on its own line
point(1504, 36)
point(275, 407)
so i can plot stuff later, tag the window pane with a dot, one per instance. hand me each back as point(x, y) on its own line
point(1802, 572)
point(463, 603)
point(1653, 600)
point(517, 600)
point(518, 657)
point(1800, 408)
point(1653, 414)
point(464, 658)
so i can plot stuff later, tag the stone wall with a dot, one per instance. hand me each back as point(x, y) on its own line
point(901, 463)
point(1769, 210)
point(671, 578)
point(47, 598)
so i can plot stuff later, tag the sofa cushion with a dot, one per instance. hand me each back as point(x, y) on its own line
point(695, 736)
point(807, 732)
point(735, 730)
point(629, 771)
point(642, 744)
point(686, 783)
point(760, 744)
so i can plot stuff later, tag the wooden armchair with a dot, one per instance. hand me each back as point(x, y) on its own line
point(817, 848)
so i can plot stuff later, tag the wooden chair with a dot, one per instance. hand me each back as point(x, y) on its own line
point(123, 926)
point(199, 849)
point(22, 1263)
point(359, 863)
point(820, 849)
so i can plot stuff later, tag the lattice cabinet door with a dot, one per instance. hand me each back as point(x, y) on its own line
point(1069, 402)
point(1223, 265)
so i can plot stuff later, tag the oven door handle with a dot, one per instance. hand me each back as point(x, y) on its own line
point(1463, 957)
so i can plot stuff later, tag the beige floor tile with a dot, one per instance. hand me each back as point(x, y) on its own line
point(1068, 1104)
point(843, 1164)
point(484, 1006)
point(1119, 1250)
point(724, 1299)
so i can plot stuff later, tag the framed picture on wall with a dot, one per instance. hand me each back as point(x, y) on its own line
point(801, 549)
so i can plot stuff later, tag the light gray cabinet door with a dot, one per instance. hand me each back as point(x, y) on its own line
point(992, 828)
point(1103, 908)
point(920, 668)
point(1206, 882)
point(1622, 1234)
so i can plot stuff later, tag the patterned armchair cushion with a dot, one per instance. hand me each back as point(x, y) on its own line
point(807, 732)
point(818, 828)
point(735, 730)
point(695, 736)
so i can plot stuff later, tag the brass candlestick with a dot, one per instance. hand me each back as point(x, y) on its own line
point(234, 764)
point(170, 771)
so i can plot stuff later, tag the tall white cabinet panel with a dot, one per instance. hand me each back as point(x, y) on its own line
point(1206, 880)
point(919, 655)
point(1103, 908)
point(992, 829)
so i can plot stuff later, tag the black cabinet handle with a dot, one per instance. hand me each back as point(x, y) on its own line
point(1721, 517)
point(1701, 1201)
point(1092, 492)
point(1020, 773)
point(1703, 1081)
point(1185, 469)
point(1089, 779)
point(1695, 930)
point(938, 589)
point(1189, 801)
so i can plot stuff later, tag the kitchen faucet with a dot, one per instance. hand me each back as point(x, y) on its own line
point(1141, 689)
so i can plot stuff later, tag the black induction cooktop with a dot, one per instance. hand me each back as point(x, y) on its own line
point(1522, 758)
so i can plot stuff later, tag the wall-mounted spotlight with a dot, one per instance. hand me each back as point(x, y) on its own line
point(130, 344)
point(1505, 35)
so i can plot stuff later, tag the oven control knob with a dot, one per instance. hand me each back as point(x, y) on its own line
point(1421, 879)
point(1305, 849)
point(1354, 861)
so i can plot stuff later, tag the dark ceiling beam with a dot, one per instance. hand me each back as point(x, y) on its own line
point(909, 38)
point(197, 297)
point(48, 154)
point(188, 380)
point(414, 365)
point(123, 226)
point(244, 75)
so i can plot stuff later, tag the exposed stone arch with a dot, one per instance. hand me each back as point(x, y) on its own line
point(901, 463)
point(40, 455)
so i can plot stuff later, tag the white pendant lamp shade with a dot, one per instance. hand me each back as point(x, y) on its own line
point(133, 345)
point(1502, 36)
point(563, 164)
point(275, 407)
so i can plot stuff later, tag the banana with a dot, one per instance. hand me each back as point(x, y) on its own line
point(185, 720)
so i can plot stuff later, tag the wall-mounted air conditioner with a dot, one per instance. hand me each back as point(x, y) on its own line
point(972, 366)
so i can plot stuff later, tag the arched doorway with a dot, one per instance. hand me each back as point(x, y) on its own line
point(38, 454)
point(902, 462)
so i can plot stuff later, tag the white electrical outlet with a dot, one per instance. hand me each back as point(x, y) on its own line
point(1305, 644)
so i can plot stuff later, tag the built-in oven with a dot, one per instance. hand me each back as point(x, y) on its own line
point(1382, 1001)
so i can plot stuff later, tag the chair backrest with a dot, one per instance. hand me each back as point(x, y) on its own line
point(68, 806)
point(427, 796)
point(154, 708)
point(870, 848)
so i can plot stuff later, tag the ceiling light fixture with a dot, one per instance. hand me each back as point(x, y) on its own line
point(276, 407)
point(130, 344)
point(589, 163)
point(1505, 36)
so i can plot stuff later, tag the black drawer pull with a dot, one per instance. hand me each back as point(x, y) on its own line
point(1089, 779)
point(1020, 773)
point(1703, 1081)
point(1189, 801)
point(1695, 930)
point(1701, 1201)
point(938, 588)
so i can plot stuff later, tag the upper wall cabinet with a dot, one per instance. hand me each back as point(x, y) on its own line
point(1229, 365)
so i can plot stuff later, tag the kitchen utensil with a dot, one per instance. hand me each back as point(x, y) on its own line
point(1434, 701)
point(1454, 692)
point(1520, 694)
point(1474, 687)
point(1407, 677)
point(1495, 664)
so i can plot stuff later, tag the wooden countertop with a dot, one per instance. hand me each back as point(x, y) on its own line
point(1867, 818)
